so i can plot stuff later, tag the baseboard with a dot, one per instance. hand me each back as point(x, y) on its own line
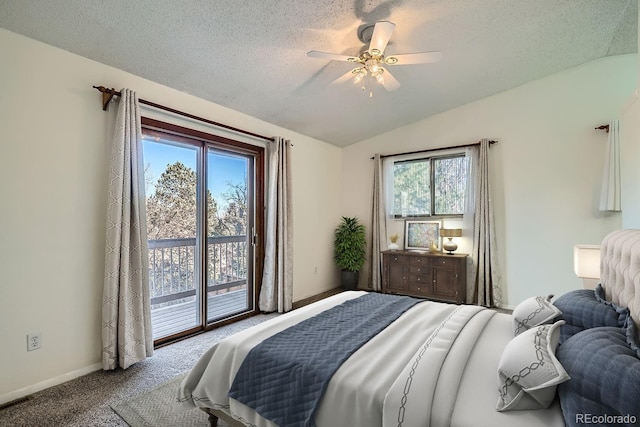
point(317, 297)
point(26, 391)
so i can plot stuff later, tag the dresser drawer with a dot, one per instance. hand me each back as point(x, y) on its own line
point(421, 285)
point(400, 259)
point(420, 269)
point(444, 261)
point(418, 261)
point(420, 279)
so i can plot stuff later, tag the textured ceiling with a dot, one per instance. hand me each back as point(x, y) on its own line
point(250, 55)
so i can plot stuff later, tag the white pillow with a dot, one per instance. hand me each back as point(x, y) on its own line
point(529, 372)
point(532, 312)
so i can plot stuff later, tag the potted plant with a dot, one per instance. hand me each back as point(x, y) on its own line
point(350, 246)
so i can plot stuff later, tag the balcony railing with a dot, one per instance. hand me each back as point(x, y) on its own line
point(173, 279)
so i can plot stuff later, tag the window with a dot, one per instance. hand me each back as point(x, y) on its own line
point(431, 186)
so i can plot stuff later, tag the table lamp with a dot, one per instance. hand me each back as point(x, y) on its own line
point(450, 245)
point(586, 264)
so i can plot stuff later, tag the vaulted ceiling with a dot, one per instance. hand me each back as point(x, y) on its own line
point(250, 55)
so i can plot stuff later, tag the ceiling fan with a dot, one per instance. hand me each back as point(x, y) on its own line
point(371, 61)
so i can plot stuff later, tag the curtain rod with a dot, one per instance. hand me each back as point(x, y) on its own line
point(108, 94)
point(603, 127)
point(382, 156)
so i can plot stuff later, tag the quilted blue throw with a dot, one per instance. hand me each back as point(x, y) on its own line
point(284, 377)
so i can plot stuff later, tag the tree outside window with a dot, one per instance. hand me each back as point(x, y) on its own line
point(433, 186)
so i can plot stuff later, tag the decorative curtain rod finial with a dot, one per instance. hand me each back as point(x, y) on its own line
point(107, 96)
point(604, 128)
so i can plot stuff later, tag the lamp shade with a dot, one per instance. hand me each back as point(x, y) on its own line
point(451, 232)
point(586, 261)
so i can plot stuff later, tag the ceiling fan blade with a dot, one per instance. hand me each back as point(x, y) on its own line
point(389, 82)
point(413, 58)
point(381, 35)
point(331, 56)
point(345, 77)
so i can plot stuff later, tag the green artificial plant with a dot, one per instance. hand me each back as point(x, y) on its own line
point(350, 244)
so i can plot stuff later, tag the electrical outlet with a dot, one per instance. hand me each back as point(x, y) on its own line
point(34, 341)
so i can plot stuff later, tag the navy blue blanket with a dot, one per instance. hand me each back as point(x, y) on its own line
point(284, 377)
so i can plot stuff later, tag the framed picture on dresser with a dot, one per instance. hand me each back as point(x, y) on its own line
point(421, 235)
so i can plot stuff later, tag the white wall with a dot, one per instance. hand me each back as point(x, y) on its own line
point(630, 152)
point(630, 171)
point(546, 168)
point(53, 198)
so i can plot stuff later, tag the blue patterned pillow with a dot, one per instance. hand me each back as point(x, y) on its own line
point(632, 336)
point(584, 309)
point(605, 378)
point(623, 312)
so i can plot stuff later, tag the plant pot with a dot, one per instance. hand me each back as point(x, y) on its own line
point(349, 280)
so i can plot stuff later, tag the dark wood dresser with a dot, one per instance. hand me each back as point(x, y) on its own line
point(437, 276)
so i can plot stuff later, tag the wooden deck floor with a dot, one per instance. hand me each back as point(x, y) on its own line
point(170, 320)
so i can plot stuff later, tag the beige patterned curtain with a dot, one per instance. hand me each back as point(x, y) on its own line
point(484, 287)
point(378, 226)
point(126, 309)
point(276, 293)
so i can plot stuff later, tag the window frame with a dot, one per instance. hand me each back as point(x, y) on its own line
point(432, 188)
point(205, 140)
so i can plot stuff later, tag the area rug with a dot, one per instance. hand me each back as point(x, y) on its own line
point(159, 408)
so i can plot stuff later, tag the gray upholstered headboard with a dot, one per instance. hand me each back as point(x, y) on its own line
point(620, 270)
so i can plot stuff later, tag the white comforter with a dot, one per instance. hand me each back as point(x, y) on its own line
point(436, 365)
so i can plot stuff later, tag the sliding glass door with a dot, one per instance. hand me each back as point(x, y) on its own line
point(202, 228)
point(229, 232)
point(173, 218)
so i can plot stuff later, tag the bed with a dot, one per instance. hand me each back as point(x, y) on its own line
point(443, 364)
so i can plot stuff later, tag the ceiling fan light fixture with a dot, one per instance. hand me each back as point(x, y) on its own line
point(391, 60)
point(360, 74)
point(372, 65)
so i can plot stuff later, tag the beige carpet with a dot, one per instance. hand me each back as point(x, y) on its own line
point(158, 407)
point(87, 401)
